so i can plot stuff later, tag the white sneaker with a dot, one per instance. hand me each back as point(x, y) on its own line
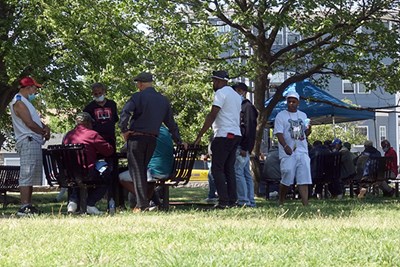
point(72, 207)
point(93, 210)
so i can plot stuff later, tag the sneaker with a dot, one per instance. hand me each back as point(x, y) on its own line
point(72, 207)
point(153, 208)
point(28, 211)
point(93, 210)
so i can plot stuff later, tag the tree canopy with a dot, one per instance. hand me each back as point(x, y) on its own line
point(70, 44)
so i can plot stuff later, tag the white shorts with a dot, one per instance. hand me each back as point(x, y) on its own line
point(296, 166)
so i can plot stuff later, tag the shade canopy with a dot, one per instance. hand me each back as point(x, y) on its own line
point(320, 107)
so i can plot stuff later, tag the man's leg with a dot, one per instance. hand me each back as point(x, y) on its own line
point(303, 191)
point(26, 195)
point(220, 155)
point(241, 188)
point(283, 189)
point(140, 150)
point(249, 183)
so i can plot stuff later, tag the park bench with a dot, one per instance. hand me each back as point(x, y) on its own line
point(63, 166)
point(327, 170)
point(182, 171)
point(378, 172)
point(9, 176)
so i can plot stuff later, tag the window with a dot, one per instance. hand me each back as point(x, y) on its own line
point(351, 88)
point(275, 80)
point(278, 38)
point(292, 36)
point(348, 87)
point(361, 131)
point(362, 89)
point(382, 133)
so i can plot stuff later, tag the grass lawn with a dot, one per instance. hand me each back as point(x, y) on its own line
point(344, 232)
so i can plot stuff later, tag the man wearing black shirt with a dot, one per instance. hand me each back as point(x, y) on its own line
point(104, 112)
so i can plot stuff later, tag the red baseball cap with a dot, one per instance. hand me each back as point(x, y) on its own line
point(28, 81)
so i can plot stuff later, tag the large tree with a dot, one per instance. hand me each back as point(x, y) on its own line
point(348, 39)
point(69, 44)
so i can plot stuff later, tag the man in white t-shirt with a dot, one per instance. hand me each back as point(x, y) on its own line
point(30, 135)
point(291, 127)
point(224, 118)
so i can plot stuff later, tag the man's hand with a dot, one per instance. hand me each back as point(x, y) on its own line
point(126, 135)
point(243, 153)
point(46, 133)
point(185, 145)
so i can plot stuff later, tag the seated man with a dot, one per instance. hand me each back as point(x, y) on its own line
point(272, 170)
point(317, 149)
point(347, 168)
point(370, 152)
point(95, 146)
point(159, 167)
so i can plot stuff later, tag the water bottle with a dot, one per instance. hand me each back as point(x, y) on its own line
point(111, 207)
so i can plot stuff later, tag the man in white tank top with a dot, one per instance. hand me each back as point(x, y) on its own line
point(30, 134)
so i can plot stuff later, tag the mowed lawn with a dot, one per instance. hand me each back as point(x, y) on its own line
point(344, 232)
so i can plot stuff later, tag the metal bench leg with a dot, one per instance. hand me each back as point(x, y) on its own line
point(165, 195)
point(83, 198)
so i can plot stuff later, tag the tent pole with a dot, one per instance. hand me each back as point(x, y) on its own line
point(334, 131)
point(376, 133)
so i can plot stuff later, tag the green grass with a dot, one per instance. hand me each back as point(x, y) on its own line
point(327, 233)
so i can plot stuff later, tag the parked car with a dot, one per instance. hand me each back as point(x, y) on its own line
point(200, 171)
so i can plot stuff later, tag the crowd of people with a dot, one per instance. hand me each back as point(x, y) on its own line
point(148, 127)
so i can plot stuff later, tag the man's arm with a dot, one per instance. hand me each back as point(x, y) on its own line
point(281, 140)
point(22, 111)
point(210, 118)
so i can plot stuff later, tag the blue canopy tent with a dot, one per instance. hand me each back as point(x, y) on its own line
point(320, 107)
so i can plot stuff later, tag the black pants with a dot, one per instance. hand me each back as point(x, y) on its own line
point(140, 151)
point(223, 168)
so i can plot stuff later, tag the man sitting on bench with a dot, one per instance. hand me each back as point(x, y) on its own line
point(95, 146)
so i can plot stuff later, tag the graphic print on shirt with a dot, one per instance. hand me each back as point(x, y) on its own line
point(102, 115)
point(296, 129)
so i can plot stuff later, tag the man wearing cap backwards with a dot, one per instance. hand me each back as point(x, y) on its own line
point(224, 117)
point(30, 134)
point(291, 129)
point(95, 146)
point(248, 125)
point(141, 119)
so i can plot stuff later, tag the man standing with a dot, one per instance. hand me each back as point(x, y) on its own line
point(30, 135)
point(291, 129)
point(144, 112)
point(95, 146)
point(248, 125)
point(225, 120)
point(105, 114)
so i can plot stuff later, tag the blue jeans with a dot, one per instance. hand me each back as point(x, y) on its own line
point(93, 194)
point(223, 169)
point(244, 180)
